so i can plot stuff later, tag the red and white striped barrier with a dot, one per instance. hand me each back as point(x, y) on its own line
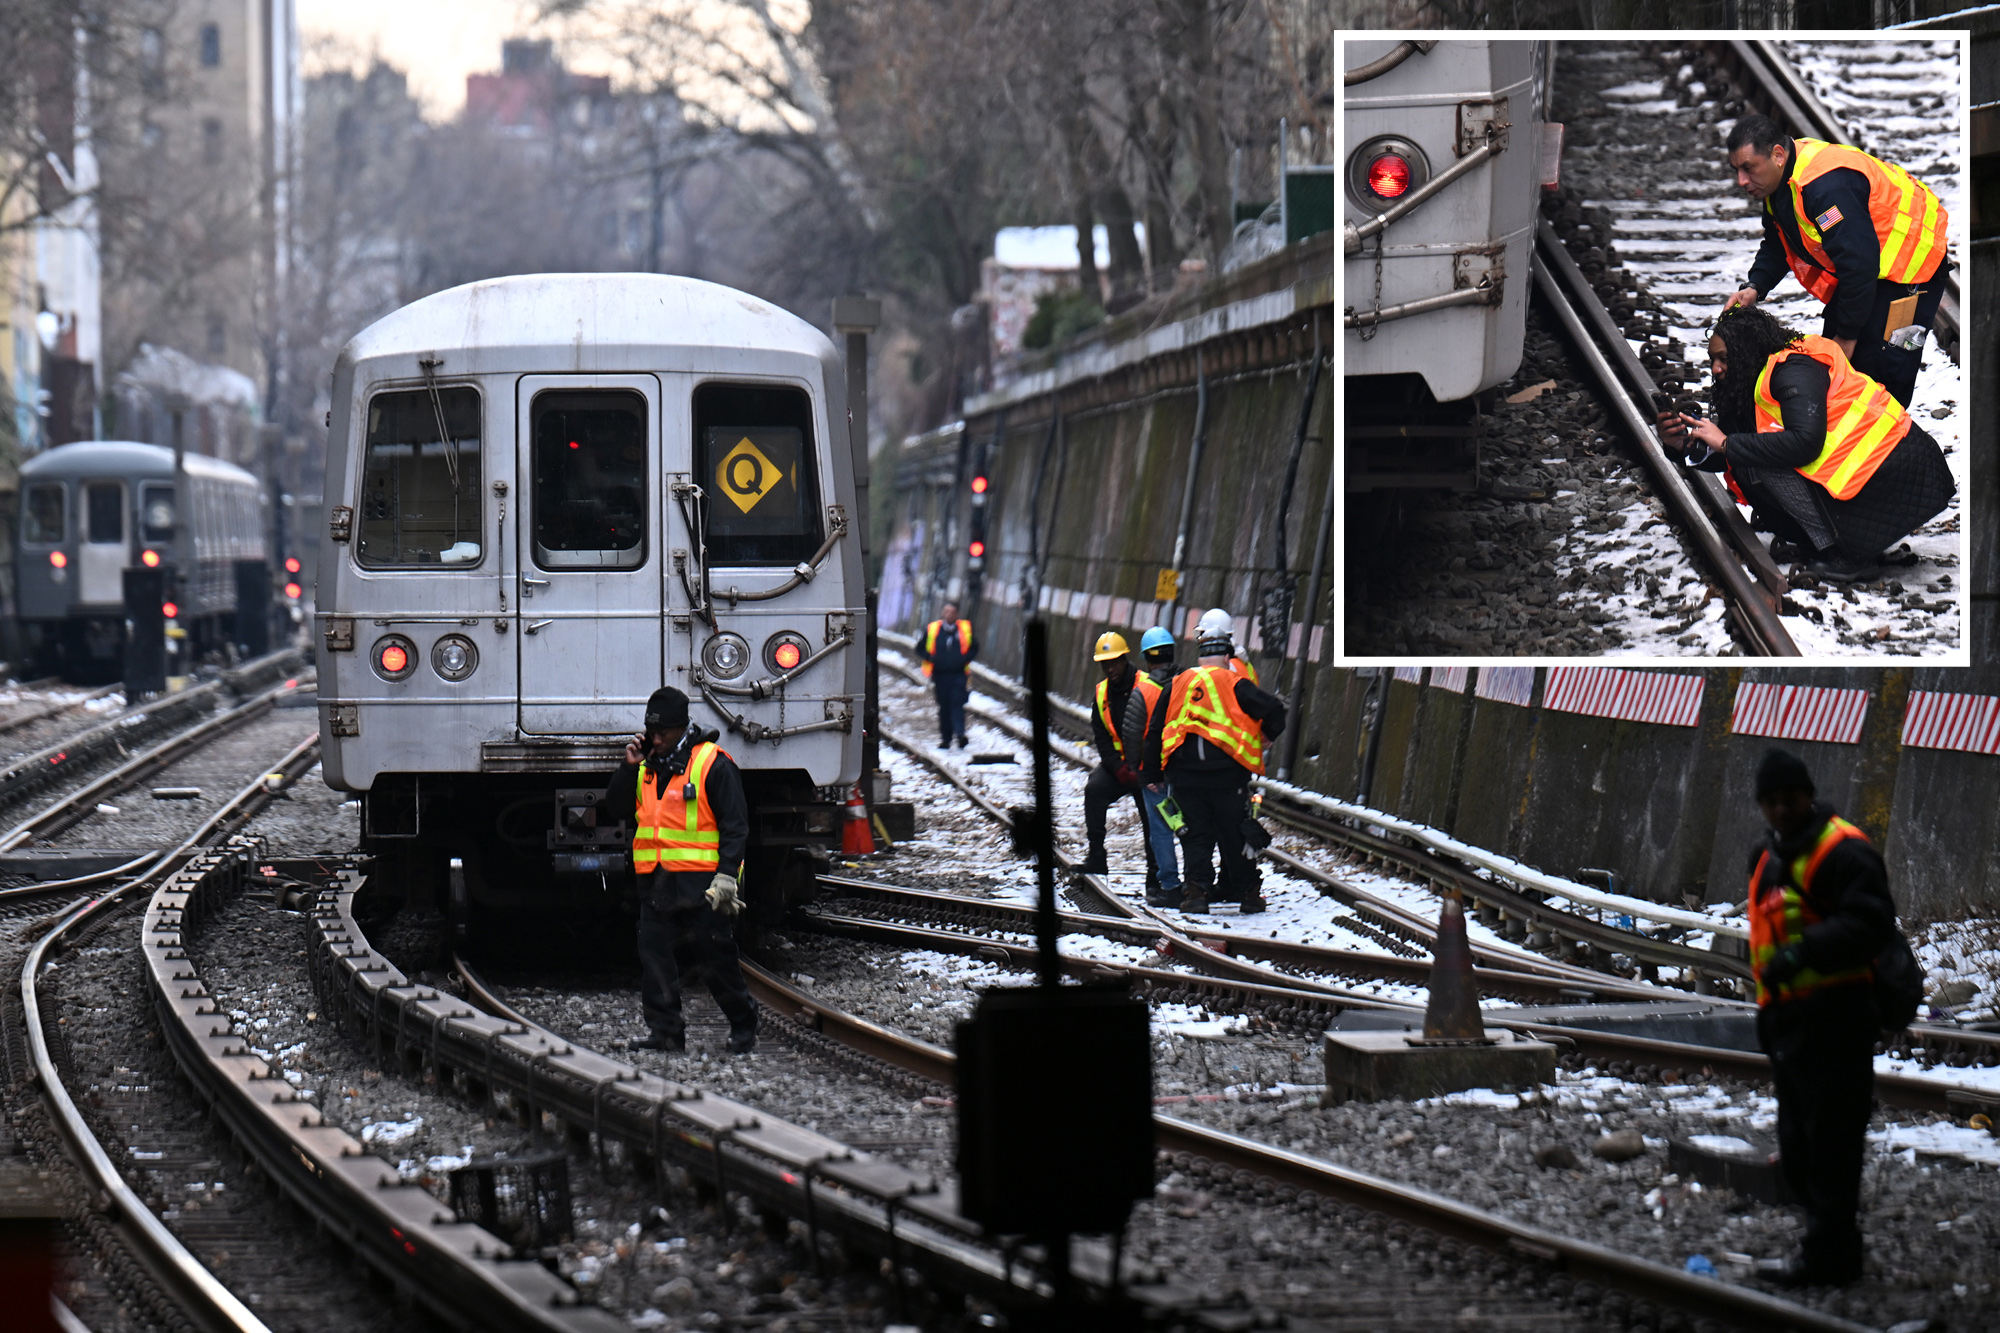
point(1799, 713)
point(1449, 678)
point(1507, 685)
point(1669, 697)
point(1953, 722)
point(1414, 675)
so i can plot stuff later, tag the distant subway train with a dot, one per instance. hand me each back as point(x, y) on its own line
point(548, 496)
point(93, 509)
point(1448, 156)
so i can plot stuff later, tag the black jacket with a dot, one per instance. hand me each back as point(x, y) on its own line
point(1199, 764)
point(1850, 243)
point(1115, 699)
point(947, 659)
point(1800, 385)
point(1132, 727)
point(1850, 892)
point(724, 789)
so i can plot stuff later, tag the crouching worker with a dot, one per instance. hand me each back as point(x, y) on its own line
point(684, 796)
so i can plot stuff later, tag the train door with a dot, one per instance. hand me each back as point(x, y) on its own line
point(589, 559)
point(101, 558)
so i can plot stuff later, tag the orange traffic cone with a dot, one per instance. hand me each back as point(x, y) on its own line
point(855, 837)
point(1453, 1012)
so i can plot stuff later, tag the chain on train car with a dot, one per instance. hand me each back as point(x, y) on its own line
point(548, 496)
point(1448, 156)
point(94, 509)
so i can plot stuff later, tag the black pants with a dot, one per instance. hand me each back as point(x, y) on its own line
point(1215, 818)
point(1101, 791)
point(1822, 1053)
point(683, 940)
point(951, 687)
point(1894, 368)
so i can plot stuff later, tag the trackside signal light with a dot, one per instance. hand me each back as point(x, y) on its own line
point(292, 564)
point(293, 591)
point(976, 550)
point(58, 559)
point(150, 559)
point(979, 485)
point(1389, 176)
point(169, 610)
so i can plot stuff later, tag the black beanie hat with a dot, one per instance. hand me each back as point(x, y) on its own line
point(667, 709)
point(1781, 770)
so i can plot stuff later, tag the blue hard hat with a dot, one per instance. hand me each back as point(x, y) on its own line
point(1155, 638)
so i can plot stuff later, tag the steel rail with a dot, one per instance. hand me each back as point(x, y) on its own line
point(1578, 1258)
point(1756, 613)
point(143, 864)
point(1768, 81)
point(206, 1300)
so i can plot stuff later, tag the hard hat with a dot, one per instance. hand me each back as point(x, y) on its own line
point(1215, 623)
point(1155, 638)
point(1109, 645)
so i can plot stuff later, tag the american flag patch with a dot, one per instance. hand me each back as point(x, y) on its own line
point(1827, 219)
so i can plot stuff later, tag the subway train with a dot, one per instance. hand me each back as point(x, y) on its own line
point(548, 496)
point(93, 509)
point(1448, 156)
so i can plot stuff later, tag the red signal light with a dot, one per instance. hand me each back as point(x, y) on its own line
point(786, 656)
point(573, 444)
point(150, 559)
point(291, 564)
point(395, 658)
point(976, 550)
point(58, 559)
point(169, 610)
point(293, 590)
point(1389, 176)
point(979, 485)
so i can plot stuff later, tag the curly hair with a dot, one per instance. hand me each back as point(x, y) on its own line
point(1753, 337)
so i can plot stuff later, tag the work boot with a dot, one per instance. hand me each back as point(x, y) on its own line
point(670, 1042)
point(1840, 569)
point(1253, 902)
point(1164, 898)
point(1094, 862)
point(1194, 901)
point(743, 1036)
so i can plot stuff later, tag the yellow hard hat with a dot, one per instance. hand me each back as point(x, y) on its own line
point(1110, 645)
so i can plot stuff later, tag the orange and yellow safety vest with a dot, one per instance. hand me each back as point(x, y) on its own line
point(1781, 910)
point(677, 828)
point(930, 640)
point(1243, 669)
point(1909, 221)
point(1864, 423)
point(1203, 703)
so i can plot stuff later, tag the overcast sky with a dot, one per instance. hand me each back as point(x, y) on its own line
point(436, 42)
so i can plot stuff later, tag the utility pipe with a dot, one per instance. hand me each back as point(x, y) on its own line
point(1381, 65)
point(1354, 235)
point(1481, 295)
point(1187, 492)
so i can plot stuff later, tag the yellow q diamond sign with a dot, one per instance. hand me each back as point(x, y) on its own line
point(746, 476)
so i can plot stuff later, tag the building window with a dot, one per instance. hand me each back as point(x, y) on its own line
point(211, 140)
point(218, 335)
point(211, 45)
point(152, 60)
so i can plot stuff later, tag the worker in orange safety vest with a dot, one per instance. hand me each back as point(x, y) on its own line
point(683, 796)
point(1820, 914)
point(947, 649)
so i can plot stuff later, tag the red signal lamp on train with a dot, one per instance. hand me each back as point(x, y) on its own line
point(150, 559)
point(786, 655)
point(1389, 176)
point(395, 659)
point(58, 560)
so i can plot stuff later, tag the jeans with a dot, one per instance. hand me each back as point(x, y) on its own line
point(682, 939)
point(1166, 856)
point(951, 687)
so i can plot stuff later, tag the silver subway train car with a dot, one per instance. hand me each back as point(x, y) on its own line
point(93, 509)
point(548, 496)
point(1448, 155)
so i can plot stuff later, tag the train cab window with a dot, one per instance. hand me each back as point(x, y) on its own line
point(42, 516)
point(589, 464)
point(754, 459)
point(421, 495)
point(104, 512)
point(156, 513)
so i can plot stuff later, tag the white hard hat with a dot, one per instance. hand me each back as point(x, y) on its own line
point(1215, 623)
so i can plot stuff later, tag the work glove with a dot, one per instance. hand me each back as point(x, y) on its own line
point(1784, 965)
point(1128, 776)
point(722, 896)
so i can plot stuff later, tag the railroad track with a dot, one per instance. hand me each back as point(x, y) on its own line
point(194, 1291)
point(28, 716)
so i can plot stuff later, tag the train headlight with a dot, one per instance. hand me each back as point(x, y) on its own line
point(726, 656)
point(454, 657)
point(395, 657)
point(1384, 170)
point(783, 652)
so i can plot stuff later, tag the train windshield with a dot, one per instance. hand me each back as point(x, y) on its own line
point(420, 481)
point(104, 512)
point(156, 513)
point(42, 518)
point(590, 479)
point(754, 458)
